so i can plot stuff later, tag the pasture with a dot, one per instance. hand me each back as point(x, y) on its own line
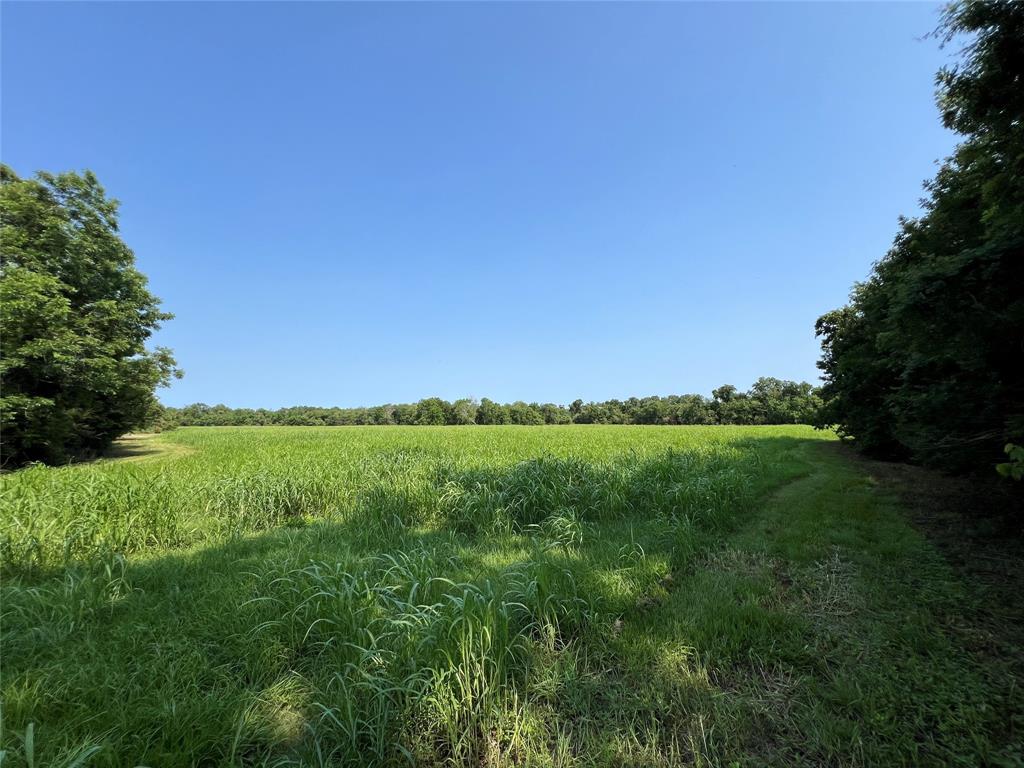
point(549, 596)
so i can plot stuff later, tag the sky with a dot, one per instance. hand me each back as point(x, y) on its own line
point(353, 204)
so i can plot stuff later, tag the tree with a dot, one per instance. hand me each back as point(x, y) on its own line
point(491, 412)
point(405, 413)
point(692, 409)
point(728, 406)
point(555, 414)
point(769, 401)
point(649, 410)
point(927, 360)
point(381, 414)
point(75, 315)
point(432, 411)
point(525, 414)
point(464, 411)
point(575, 408)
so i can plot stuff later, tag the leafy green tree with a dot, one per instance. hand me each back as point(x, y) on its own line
point(491, 412)
point(381, 414)
point(769, 401)
point(783, 402)
point(691, 409)
point(555, 414)
point(927, 360)
point(405, 413)
point(725, 393)
point(728, 406)
point(596, 413)
point(464, 411)
point(432, 411)
point(75, 315)
point(525, 414)
point(648, 410)
point(576, 408)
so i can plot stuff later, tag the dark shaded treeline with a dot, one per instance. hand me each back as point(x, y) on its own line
point(768, 401)
point(926, 362)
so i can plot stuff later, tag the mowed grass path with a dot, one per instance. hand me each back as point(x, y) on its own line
point(484, 596)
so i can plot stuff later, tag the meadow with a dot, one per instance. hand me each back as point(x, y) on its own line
point(549, 596)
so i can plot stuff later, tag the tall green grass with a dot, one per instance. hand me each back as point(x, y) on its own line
point(379, 597)
point(247, 480)
point(417, 580)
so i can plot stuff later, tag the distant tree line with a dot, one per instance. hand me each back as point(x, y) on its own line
point(927, 361)
point(768, 401)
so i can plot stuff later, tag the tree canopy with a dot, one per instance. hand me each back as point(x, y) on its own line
point(927, 360)
point(769, 401)
point(75, 315)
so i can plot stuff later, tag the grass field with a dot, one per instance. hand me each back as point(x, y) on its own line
point(564, 596)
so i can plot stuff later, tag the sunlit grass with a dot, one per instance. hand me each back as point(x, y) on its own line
point(482, 596)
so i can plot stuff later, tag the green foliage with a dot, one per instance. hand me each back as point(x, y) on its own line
point(926, 362)
point(1014, 468)
point(75, 315)
point(464, 411)
point(491, 412)
point(769, 401)
point(433, 412)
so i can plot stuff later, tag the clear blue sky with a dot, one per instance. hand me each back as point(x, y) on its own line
point(357, 204)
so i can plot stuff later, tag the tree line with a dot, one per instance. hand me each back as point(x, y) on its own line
point(926, 362)
point(768, 401)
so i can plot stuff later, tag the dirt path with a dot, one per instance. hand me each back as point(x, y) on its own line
point(142, 446)
point(976, 524)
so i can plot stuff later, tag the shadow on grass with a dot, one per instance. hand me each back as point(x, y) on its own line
point(253, 648)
